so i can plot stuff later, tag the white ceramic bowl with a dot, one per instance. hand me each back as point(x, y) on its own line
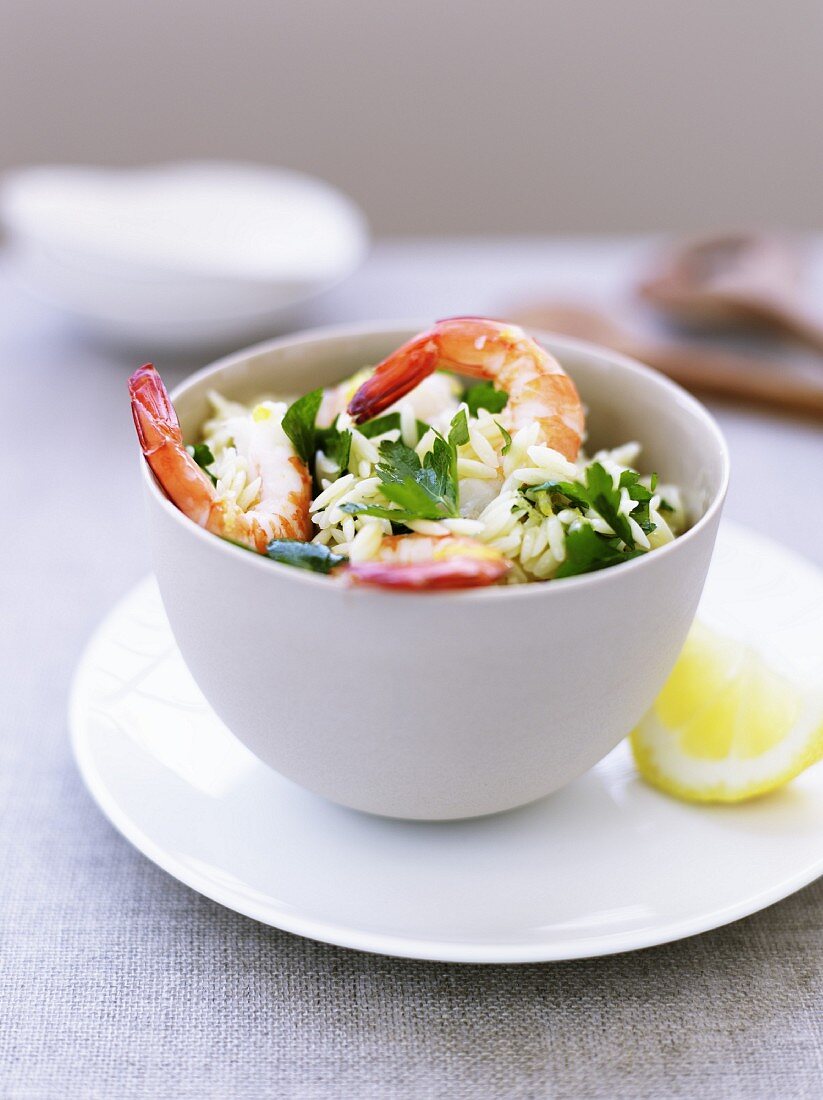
point(440, 705)
point(183, 255)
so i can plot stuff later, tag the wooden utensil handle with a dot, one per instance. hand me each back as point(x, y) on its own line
point(738, 377)
point(796, 323)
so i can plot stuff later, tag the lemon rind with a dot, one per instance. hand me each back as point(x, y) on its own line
point(751, 778)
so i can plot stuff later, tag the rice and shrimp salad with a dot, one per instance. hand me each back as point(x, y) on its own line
point(440, 463)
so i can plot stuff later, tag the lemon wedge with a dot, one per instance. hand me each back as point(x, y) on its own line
point(727, 726)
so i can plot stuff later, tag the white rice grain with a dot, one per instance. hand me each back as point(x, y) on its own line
point(366, 543)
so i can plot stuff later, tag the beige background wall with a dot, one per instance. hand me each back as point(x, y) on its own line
point(438, 116)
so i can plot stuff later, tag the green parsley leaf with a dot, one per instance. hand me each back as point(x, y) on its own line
point(605, 500)
point(443, 457)
point(587, 551)
point(389, 422)
point(630, 481)
point(441, 464)
point(507, 446)
point(421, 490)
point(459, 429)
point(483, 395)
point(598, 493)
point(201, 453)
point(334, 444)
point(304, 555)
point(572, 492)
point(396, 515)
point(398, 464)
point(299, 424)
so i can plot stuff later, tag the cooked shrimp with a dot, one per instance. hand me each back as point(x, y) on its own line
point(434, 400)
point(426, 562)
point(281, 509)
point(539, 389)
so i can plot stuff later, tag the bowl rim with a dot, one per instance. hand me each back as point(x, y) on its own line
point(493, 592)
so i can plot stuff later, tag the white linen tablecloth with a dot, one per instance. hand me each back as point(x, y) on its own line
point(117, 982)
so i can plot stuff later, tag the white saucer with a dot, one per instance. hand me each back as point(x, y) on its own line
point(605, 865)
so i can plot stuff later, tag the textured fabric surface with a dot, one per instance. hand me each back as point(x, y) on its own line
point(118, 982)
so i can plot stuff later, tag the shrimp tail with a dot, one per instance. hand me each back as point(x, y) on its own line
point(154, 416)
point(161, 441)
point(394, 378)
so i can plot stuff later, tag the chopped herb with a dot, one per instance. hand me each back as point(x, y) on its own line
point(506, 438)
point(664, 506)
point(459, 429)
point(396, 515)
point(444, 452)
point(605, 500)
point(483, 395)
point(630, 481)
point(201, 453)
point(572, 492)
point(304, 555)
point(587, 551)
point(299, 424)
point(334, 444)
point(597, 492)
point(389, 422)
point(421, 490)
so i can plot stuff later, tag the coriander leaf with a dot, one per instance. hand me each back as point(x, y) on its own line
point(586, 551)
point(483, 395)
point(304, 555)
point(507, 439)
point(201, 453)
point(299, 424)
point(664, 506)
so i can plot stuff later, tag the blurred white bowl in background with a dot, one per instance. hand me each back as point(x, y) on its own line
point(183, 255)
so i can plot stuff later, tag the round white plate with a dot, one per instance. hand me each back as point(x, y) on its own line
point(605, 865)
